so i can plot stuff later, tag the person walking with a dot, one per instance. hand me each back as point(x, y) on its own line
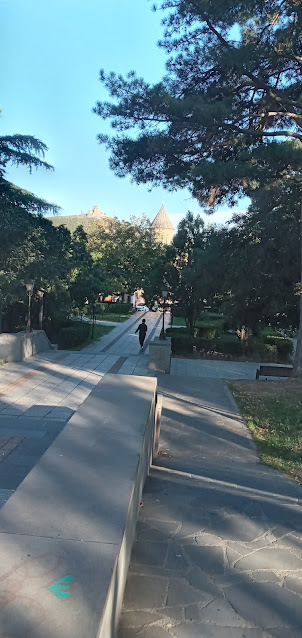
point(142, 329)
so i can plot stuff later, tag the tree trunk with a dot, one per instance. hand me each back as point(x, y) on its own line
point(298, 356)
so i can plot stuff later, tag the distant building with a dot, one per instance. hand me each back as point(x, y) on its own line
point(162, 227)
point(84, 219)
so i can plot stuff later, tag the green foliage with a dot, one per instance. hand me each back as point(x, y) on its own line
point(207, 330)
point(176, 331)
point(260, 269)
point(232, 85)
point(188, 267)
point(225, 121)
point(182, 344)
point(73, 335)
point(230, 344)
point(126, 252)
point(269, 352)
point(284, 347)
point(118, 308)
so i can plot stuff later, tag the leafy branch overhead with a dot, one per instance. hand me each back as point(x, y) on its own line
point(233, 83)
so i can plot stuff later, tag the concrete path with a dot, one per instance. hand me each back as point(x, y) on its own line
point(219, 540)
point(39, 395)
point(215, 369)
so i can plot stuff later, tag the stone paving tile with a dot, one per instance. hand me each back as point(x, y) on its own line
point(7, 445)
point(222, 546)
point(4, 496)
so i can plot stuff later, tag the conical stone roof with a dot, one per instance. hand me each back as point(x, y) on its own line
point(162, 221)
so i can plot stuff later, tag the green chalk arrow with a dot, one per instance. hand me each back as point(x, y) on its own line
point(59, 588)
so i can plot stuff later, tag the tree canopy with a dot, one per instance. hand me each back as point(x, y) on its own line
point(233, 83)
point(226, 119)
point(25, 150)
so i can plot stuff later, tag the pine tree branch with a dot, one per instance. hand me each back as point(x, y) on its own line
point(258, 82)
point(254, 133)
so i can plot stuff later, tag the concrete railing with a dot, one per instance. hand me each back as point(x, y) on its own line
point(67, 531)
point(21, 345)
point(160, 356)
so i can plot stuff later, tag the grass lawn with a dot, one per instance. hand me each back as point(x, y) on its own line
point(111, 316)
point(99, 331)
point(273, 412)
point(181, 322)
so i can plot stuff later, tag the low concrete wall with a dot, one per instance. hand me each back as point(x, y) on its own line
point(160, 355)
point(67, 532)
point(21, 345)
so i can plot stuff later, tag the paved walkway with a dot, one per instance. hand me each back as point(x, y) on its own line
point(39, 395)
point(218, 552)
point(219, 543)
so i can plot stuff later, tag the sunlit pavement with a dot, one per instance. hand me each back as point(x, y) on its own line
point(39, 395)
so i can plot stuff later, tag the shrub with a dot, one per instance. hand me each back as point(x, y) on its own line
point(214, 319)
point(207, 331)
point(204, 345)
point(59, 321)
point(181, 344)
point(230, 344)
point(178, 311)
point(176, 331)
point(269, 352)
point(121, 308)
point(283, 346)
point(115, 308)
point(268, 332)
point(74, 335)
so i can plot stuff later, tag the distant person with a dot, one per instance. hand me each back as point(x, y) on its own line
point(142, 329)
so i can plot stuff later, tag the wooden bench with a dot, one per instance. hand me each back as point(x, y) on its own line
point(274, 371)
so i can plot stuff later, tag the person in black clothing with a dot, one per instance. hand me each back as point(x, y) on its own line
point(142, 329)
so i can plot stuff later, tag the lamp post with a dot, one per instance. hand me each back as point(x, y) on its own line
point(162, 333)
point(40, 293)
point(93, 319)
point(29, 289)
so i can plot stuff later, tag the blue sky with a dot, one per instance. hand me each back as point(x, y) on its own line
point(51, 53)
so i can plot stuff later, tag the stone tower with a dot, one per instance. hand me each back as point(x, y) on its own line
point(162, 227)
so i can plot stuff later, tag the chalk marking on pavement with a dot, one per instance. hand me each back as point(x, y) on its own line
point(60, 586)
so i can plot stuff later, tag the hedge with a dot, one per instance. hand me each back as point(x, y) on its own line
point(74, 335)
point(67, 333)
point(181, 344)
point(207, 331)
point(269, 348)
point(115, 308)
point(230, 344)
point(284, 346)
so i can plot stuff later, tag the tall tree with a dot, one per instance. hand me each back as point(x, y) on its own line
point(29, 244)
point(24, 150)
point(126, 252)
point(232, 89)
point(186, 268)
